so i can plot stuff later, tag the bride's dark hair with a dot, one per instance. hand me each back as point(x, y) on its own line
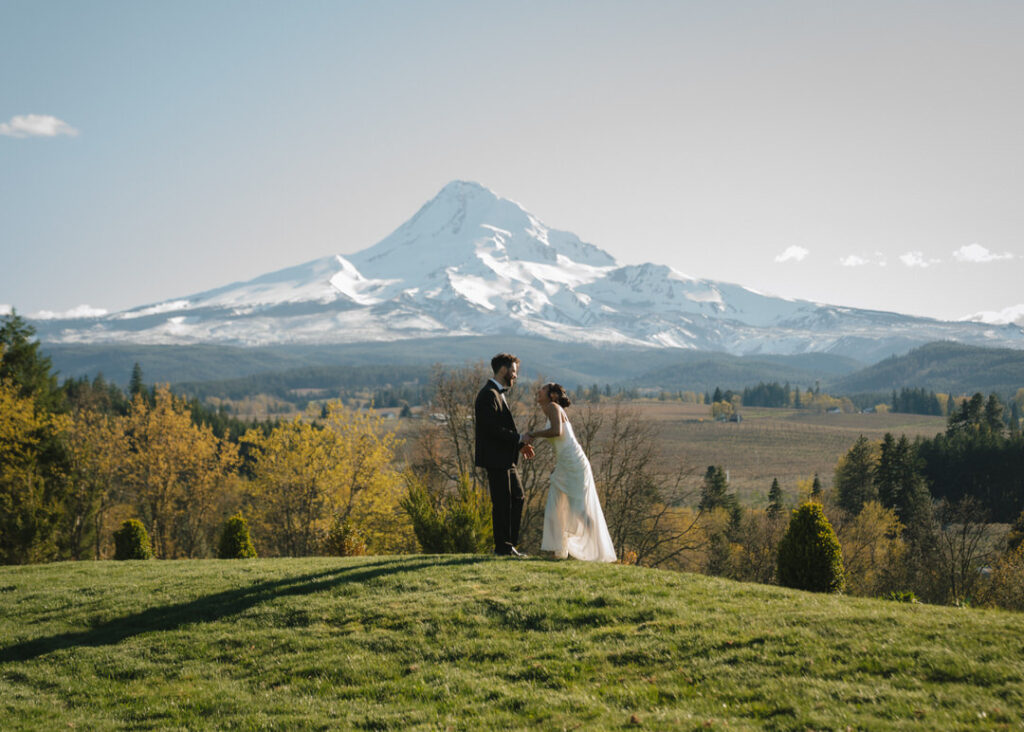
point(557, 394)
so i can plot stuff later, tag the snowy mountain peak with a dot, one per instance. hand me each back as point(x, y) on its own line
point(466, 223)
point(470, 262)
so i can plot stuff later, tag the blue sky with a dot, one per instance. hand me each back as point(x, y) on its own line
point(866, 154)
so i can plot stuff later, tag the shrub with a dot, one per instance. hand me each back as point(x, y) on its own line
point(235, 542)
point(345, 540)
point(457, 523)
point(131, 541)
point(1005, 586)
point(810, 557)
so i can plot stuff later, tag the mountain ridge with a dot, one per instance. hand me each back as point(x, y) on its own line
point(470, 263)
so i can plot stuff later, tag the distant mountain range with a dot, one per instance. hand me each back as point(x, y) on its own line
point(229, 370)
point(471, 264)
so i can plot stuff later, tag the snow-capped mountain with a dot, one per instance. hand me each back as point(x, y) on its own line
point(1011, 315)
point(473, 263)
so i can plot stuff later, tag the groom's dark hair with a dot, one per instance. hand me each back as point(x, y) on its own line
point(503, 359)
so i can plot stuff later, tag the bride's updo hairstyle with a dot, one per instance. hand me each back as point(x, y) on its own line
point(557, 394)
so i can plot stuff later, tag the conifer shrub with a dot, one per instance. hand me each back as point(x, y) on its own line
point(456, 523)
point(131, 541)
point(235, 542)
point(810, 557)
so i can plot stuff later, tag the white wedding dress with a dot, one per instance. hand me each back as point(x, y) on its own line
point(573, 520)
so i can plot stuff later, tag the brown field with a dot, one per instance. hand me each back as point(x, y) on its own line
point(787, 444)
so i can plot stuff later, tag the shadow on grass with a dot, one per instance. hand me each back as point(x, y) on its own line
point(214, 607)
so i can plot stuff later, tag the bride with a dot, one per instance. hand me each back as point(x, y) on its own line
point(573, 521)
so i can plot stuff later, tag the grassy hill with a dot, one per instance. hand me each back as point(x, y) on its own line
point(951, 368)
point(469, 642)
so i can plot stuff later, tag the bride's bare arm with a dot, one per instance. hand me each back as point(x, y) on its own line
point(555, 416)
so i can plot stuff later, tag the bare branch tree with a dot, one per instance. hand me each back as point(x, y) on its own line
point(963, 545)
point(641, 503)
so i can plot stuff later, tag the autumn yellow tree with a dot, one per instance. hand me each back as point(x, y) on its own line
point(97, 451)
point(173, 474)
point(337, 473)
point(872, 548)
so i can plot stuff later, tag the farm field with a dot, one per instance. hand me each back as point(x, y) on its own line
point(791, 445)
point(468, 642)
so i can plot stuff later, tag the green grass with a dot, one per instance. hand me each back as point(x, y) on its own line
point(466, 642)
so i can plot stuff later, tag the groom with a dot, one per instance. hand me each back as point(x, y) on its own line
point(498, 443)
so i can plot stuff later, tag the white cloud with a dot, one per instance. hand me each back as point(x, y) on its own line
point(793, 253)
point(855, 260)
point(6, 309)
point(36, 125)
point(81, 311)
point(978, 254)
point(916, 259)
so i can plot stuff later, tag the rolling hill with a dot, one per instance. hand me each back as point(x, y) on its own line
point(473, 642)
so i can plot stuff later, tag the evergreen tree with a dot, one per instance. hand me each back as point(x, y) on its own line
point(911, 496)
point(775, 499)
point(24, 367)
point(993, 419)
point(448, 524)
point(887, 473)
point(816, 491)
point(854, 477)
point(968, 417)
point(135, 385)
point(235, 542)
point(810, 557)
point(131, 541)
point(717, 396)
point(714, 492)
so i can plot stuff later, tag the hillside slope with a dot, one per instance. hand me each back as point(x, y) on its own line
point(470, 642)
point(943, 366)
point(567, 363)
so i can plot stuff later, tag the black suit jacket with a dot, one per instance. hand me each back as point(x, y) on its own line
point(497, 439)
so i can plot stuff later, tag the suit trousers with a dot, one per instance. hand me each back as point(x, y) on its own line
point(506, 507)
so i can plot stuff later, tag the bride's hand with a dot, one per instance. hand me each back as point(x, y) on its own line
point(527, 451)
